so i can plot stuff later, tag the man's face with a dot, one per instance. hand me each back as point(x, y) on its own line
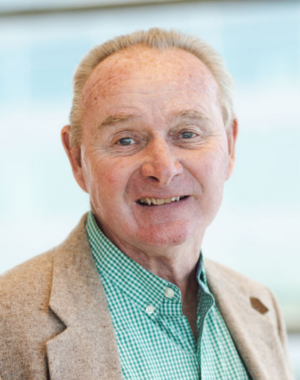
point(152, 132)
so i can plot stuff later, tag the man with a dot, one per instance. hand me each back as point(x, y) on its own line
point(128, 294)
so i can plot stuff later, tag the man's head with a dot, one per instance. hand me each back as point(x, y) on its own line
point(153, 152)
point(157, 39)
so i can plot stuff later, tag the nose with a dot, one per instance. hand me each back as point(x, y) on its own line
point(160, 164)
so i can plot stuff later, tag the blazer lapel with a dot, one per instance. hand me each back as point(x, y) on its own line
point(249, 315)
point(87, 349)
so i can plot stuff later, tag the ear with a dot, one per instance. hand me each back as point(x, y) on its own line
point(232, 134)
point(74, 156)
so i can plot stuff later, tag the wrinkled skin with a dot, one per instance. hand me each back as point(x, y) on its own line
point(153, 127)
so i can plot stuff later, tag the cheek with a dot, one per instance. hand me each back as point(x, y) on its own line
point(216, 169)
point(216, 161)
point(113, 173)
point(211, 166)
point(108, 178)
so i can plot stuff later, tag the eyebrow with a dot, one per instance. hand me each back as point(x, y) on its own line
point(113, 120)
point(190, 114)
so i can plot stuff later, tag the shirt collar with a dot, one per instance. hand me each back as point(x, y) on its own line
point(143, 287)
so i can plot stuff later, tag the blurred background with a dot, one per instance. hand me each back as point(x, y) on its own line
point(257, 231)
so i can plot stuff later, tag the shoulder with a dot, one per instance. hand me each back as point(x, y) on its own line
point(231, 288)
point(27, 282)
point(232, 277)
point(25, 293)
point(26, 321)
point(250, 311)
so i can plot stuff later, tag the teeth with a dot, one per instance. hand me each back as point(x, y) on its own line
point(158, 201)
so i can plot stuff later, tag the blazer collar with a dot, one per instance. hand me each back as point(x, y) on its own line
point(254, 333)
point(88, 347)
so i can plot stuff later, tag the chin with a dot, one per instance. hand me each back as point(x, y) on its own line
point(168, 235)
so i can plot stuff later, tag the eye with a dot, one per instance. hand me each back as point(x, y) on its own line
point(125, 141)
point(187, 135)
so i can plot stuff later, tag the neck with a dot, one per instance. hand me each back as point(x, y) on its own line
point(175, 264)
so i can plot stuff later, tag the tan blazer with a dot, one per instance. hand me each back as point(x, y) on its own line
point(55, 323)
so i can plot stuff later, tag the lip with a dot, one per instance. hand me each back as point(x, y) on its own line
point(162, 196)
point(183, 199)
point(174, 212)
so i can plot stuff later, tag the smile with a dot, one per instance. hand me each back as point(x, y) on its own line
point(159, 201)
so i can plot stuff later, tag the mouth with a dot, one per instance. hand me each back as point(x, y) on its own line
point(160, 201)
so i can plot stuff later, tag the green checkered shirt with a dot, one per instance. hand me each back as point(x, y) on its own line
point(154, 338)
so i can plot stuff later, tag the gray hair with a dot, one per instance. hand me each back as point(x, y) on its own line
point(159, 39)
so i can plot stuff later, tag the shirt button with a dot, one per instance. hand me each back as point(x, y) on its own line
point(150, 309)
point(169, 293)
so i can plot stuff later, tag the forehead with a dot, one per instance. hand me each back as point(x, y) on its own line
point(146, 68)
